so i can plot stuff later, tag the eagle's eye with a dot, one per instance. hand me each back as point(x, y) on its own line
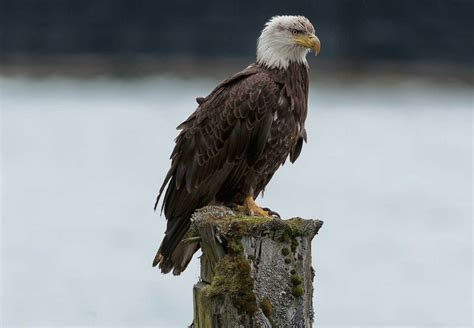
point(296, 31)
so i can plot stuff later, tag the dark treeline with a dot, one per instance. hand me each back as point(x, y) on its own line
point(354, 30)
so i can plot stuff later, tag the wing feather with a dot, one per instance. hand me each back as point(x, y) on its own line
point(296, 150)
point(229, 127)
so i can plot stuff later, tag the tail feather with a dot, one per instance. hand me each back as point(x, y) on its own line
point(178, 256)
point(178, 261)
point(173, 253)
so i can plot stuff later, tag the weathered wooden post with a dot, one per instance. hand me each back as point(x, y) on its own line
point(255, 272)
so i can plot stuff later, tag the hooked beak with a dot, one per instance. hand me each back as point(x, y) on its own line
point(309, 41)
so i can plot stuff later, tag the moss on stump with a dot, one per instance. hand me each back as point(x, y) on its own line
point(256, 272)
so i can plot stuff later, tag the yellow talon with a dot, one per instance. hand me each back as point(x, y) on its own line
point(251, 208)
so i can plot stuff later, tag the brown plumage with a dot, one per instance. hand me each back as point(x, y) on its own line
point(230, 147)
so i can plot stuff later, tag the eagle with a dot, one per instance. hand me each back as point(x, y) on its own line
point(229, 148)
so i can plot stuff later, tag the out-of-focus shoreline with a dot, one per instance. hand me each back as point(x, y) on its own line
point(89, 66)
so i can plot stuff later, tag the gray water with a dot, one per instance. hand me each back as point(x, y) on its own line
point(387, 167)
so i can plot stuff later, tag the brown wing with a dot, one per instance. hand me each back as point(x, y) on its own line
point(295, 152)
point(231, 125)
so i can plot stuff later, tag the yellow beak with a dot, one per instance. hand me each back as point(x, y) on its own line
point(309, 41)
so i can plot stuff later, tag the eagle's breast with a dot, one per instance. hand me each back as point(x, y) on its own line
point(288, 120)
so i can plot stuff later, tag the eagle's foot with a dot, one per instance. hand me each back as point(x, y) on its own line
point(249, 207)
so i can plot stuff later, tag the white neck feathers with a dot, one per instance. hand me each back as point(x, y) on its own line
point(274, 52)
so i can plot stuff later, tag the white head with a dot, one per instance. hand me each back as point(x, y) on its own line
point(286, 39)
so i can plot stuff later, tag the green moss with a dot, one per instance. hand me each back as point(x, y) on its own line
point(285, 251)
point(232, 275)
point(285, 236)
point(296, 280)
point(294, 244)
point(251, 257)
point(297, 291)
point(242, 225)
point(294, 226)
point(232, 278)
point(287, 261)
point(234, 246)
point(266, 307)
point(246, 303)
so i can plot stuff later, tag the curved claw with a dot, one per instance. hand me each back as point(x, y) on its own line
point(272, 213)
point(251, 208)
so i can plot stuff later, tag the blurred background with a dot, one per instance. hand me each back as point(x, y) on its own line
point(91, 93)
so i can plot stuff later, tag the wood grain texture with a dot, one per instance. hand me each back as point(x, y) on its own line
point(255, 272)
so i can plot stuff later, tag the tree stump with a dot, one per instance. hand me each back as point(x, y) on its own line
point(255, 272)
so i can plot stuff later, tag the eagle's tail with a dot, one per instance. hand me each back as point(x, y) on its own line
point(175, 254)
point(179, 259)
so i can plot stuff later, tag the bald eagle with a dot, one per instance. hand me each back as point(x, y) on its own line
point(241, 133)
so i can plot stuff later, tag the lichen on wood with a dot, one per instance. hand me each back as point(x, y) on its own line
point(256, 272)
point(232, 278)
point(266, 306)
